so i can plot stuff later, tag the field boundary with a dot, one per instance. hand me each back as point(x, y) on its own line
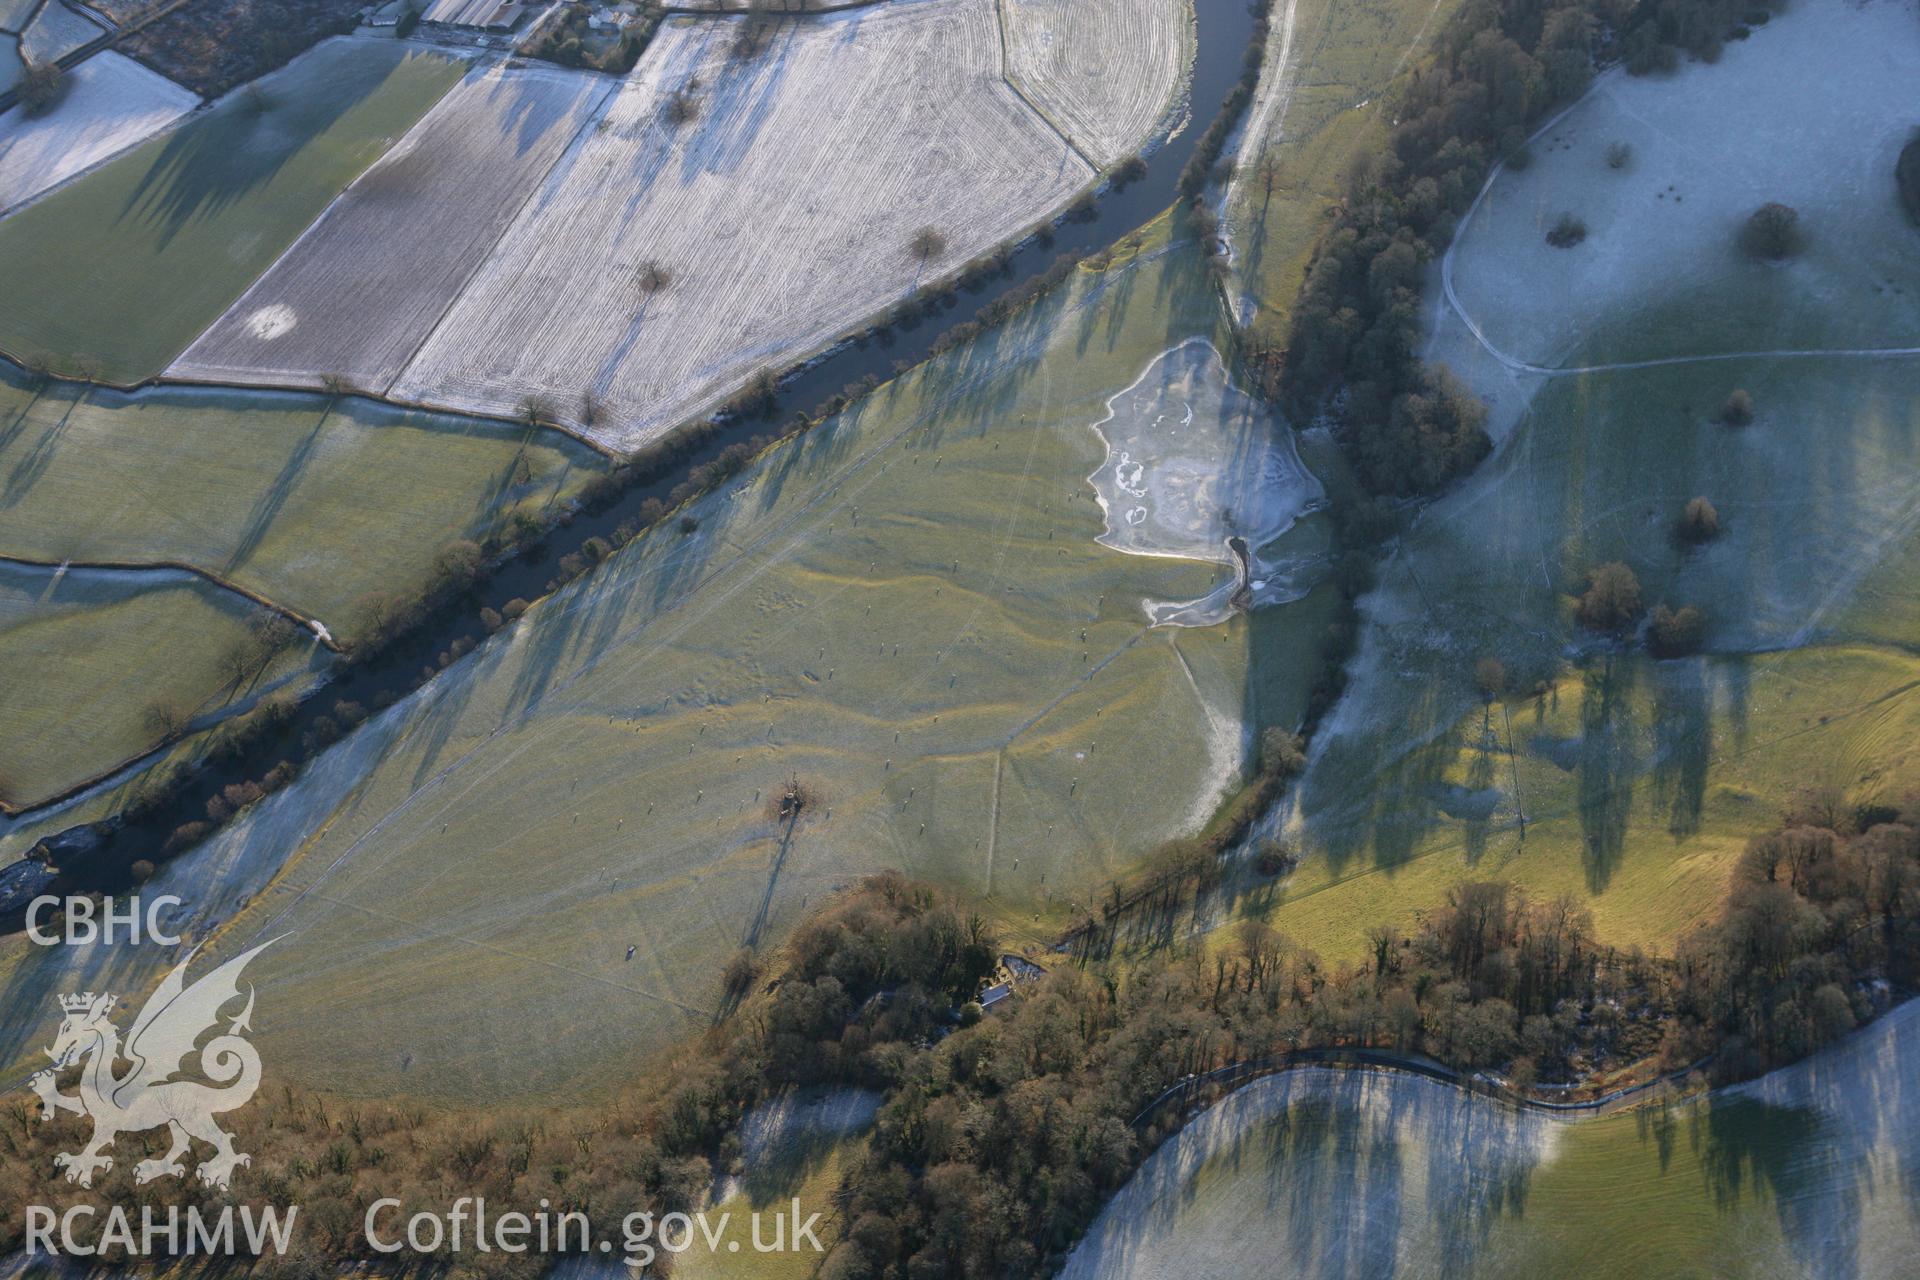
point(200, 724)
point(313, 626)
point(105, 40)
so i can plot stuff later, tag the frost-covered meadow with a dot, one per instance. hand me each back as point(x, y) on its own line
point(1807, 1172)
point(111, 102)
point(1799, 113)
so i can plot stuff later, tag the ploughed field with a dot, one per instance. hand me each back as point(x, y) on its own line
point(362, 289)
point(110, 276)
point(619, 258)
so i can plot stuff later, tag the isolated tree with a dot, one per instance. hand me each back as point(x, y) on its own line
point(1611, 603)
point(1618, 154)
point(928, 243)
point(1738, 410)
point(1567, 232)
point(164, 719)
point(41, 87)
point(1267, 173)
point(271, 631)
point(1490, 675)
point(653, 277)
point(1675, 633)
point(681, 106)
point(237, 663)
point(1282, 753)
point(1772, 232)
point(1700, 522)
point(1906, 175)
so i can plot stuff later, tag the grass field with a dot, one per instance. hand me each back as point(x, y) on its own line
point(616, 756)
point(110, 103)
point(84, 654)
point(1640, 780)
point(1323, 100)
point(113, 275)
point(312, 504)
point(795, 1148)
point(1806, 1172)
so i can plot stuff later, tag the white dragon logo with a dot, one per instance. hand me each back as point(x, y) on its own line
point(148, 1096)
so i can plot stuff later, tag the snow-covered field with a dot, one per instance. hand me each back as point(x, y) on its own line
point(361, 290)
point(1802, 113)
point(1106, 72)
point(111, 102)
point(781, 213)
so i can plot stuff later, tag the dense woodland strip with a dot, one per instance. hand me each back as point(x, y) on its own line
point(1499, 68)
point(1001, 1136)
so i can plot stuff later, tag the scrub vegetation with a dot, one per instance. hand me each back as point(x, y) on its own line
point(213, 45)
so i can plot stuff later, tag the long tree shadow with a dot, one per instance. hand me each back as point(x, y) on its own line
point(267, 507)
point(39, 456)
point(1609, 764)
point(1683, 742)
point(1756, 1153)
point(243, 143)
